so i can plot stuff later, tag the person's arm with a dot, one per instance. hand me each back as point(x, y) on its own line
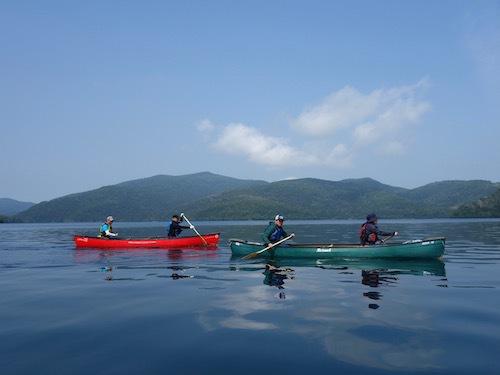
point(178, 226)
point(382, 233)
point(267, 233)
point(109, 233)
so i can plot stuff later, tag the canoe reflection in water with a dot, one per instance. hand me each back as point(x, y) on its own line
point(275, 276)
point(376, 273)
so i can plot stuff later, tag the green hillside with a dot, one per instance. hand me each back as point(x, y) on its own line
point(206, 196)
point(452, 193)
point(315, 199)
point(149, 199)
point(487, 207)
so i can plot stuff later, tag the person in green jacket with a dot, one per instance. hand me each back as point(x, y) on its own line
point(274, 232)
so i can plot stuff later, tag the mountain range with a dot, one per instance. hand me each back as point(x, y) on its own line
point(207, 196)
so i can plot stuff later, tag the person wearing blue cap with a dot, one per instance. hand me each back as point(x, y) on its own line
point(369, 233)
point(274, 232)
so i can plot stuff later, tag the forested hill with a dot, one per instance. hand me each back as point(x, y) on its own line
point(485, 207)
point(347, 199)
point(206, 196)
point(148, 199)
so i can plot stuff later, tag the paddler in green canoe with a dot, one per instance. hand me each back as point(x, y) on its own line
point(369, 233)
point(274, 232)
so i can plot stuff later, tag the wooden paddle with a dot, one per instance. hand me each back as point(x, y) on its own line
point(191, 225)
point(386, 239)
point(253, 255)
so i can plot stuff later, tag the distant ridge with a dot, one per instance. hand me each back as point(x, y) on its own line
point(207, 196)
point(10, 207)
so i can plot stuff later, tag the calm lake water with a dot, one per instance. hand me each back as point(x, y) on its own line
point(70, 311)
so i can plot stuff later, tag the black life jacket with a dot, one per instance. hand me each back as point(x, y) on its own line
point(173, 232)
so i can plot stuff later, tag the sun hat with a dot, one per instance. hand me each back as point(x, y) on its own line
point(371, 218)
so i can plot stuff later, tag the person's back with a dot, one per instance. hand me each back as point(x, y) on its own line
point(368, 234)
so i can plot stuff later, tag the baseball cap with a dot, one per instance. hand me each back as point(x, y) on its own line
point(110, 218)
point(279, 217)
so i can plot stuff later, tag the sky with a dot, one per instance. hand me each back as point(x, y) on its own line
point(95, 93)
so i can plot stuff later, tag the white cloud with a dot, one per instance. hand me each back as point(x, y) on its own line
point(366, 114)
point(206, 129)
point(338, 111)
point(242, 323)
point(205, 125)
point(239, 139)
point(391, 148)
point(339, 157)
point(332, 133)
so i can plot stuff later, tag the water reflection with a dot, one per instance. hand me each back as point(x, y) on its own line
point(381, 273)
point(375, 278)
point(175, 255)
point(275, 276)
point(326, 302)
point(374, 273)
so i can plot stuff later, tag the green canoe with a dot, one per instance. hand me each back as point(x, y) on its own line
point(428, 248)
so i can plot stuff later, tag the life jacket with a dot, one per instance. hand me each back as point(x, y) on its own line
point(102, 231)
point(173, 232)
point(366, 237)
point(276, 235)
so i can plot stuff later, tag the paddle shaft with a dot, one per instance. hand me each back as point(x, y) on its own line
point(253, 255)
point(386, 239)
point(184, 216)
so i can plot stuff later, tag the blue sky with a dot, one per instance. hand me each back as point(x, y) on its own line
point(95, 93)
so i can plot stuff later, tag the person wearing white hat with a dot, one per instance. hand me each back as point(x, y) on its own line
point(274, 232)
point(106, 229)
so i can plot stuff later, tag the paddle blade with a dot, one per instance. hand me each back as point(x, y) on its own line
point(251, 255)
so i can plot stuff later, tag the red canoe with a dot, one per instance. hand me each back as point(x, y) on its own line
point(156, 242)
